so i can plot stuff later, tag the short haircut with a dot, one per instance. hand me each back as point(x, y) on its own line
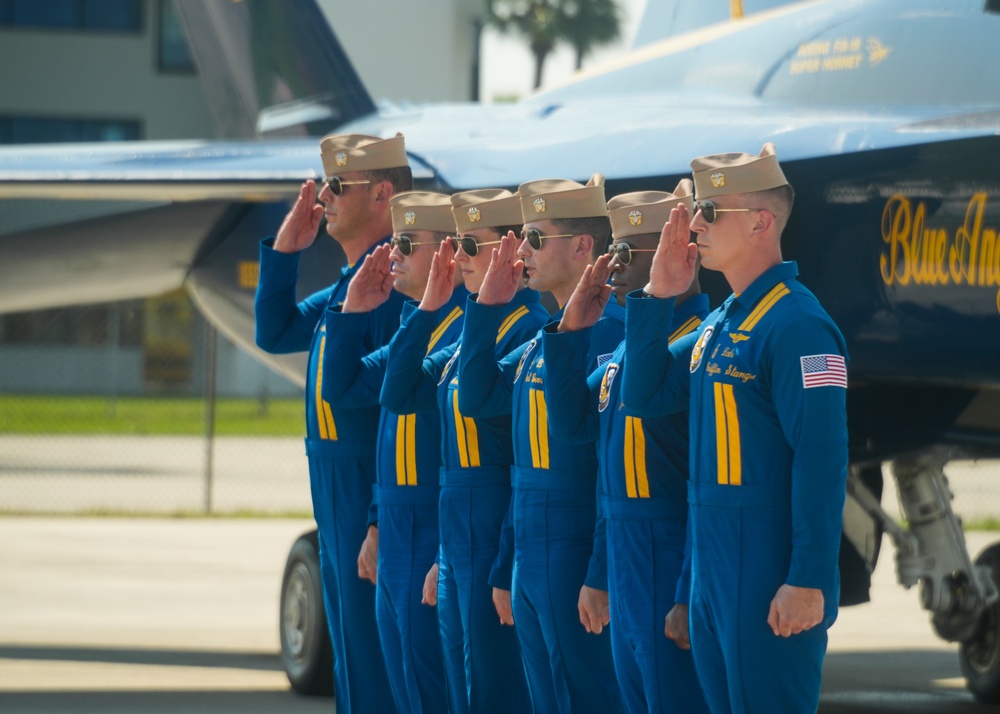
point(778, 201)
point(598, 227)
point(401, 177)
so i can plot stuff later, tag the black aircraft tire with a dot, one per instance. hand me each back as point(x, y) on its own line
point(306, 652)
point(979, 656)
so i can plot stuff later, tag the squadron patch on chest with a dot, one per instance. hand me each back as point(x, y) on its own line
point(448, 366)
point(604, 398)
point(524, 358)
point(699, 349)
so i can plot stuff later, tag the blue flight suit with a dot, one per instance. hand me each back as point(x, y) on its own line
point(482, 657)
point(768, 474)
point(554, 513)
point(405, 506)
point(340, 445)
point(644, 472)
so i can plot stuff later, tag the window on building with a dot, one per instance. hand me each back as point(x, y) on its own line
point(48, 130)
point(97, 15)
point(175, 53)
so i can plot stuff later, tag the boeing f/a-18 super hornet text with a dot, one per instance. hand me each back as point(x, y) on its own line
point(886, 116)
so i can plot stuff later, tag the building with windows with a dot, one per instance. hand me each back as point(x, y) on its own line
point(113, 70)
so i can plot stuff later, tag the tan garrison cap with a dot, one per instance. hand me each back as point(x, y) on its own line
point(552, 199)
point(634, 214)
point(422, 211)
point(725, 174)
point(342, 153)
point(485, 208)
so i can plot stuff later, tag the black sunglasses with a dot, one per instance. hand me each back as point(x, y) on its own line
point(336, 184)
point(709, 210)
point(405, 243)
point(624, 252)
point(535, 237)
point(469, 245)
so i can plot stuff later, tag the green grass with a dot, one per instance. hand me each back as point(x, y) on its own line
point(144, 416)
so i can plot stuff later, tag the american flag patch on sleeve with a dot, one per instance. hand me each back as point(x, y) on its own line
point(823, 371)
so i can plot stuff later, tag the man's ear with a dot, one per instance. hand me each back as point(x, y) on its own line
point(763, 221)
point(584, 247)
point(384, 191)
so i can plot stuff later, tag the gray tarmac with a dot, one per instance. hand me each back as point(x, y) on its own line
point(180, 615)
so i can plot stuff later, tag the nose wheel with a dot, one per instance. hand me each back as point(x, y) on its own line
point(979, 655)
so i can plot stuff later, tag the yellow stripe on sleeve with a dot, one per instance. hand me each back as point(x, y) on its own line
point(767, 302)
point(510, 320)
point(685, 329)
point(442, 328)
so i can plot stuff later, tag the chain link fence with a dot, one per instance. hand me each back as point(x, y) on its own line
point(142, 408)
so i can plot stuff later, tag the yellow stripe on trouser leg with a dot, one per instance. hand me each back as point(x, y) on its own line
point(727, 436)
point(733, 430)
point(630, 459)
point(324, 417)
point(472, 439)
point(401, 450)
point(411, 449)
point(463, 452)
point(639, 437)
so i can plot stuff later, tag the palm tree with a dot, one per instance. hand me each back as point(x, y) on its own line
point(583, 24)
point(539, 21)
point(589, 24)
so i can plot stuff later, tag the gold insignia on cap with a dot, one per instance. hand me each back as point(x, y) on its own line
point(718, 179)
point(635, 218)
point(341, 158)
point(474, 215)
point(539, 205)
point(410, 217)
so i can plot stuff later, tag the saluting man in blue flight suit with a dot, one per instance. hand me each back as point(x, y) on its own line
point(470, 584)
point(643, 462)
point(403, 526)
point(560, 582)
point(363, 173)
point(766, 382)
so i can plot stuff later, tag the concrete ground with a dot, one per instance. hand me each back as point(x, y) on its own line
point(158, 615)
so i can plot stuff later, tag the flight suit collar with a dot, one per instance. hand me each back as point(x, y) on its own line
point(767, 280)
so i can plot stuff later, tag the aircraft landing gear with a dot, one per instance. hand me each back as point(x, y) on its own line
point(979, 655)
point(306, 650)
point(963, 599)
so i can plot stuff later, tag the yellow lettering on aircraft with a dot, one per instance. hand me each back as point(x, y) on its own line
point(837, 55)
point(915, 253)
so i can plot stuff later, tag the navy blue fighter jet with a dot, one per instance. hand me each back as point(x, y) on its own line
point(886, 117)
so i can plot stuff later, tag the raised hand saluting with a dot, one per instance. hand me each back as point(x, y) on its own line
point(504, 275)
point(586, 305)
point(372, 284)
point(676, 257)
point(441, 279)
point(299, 229)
